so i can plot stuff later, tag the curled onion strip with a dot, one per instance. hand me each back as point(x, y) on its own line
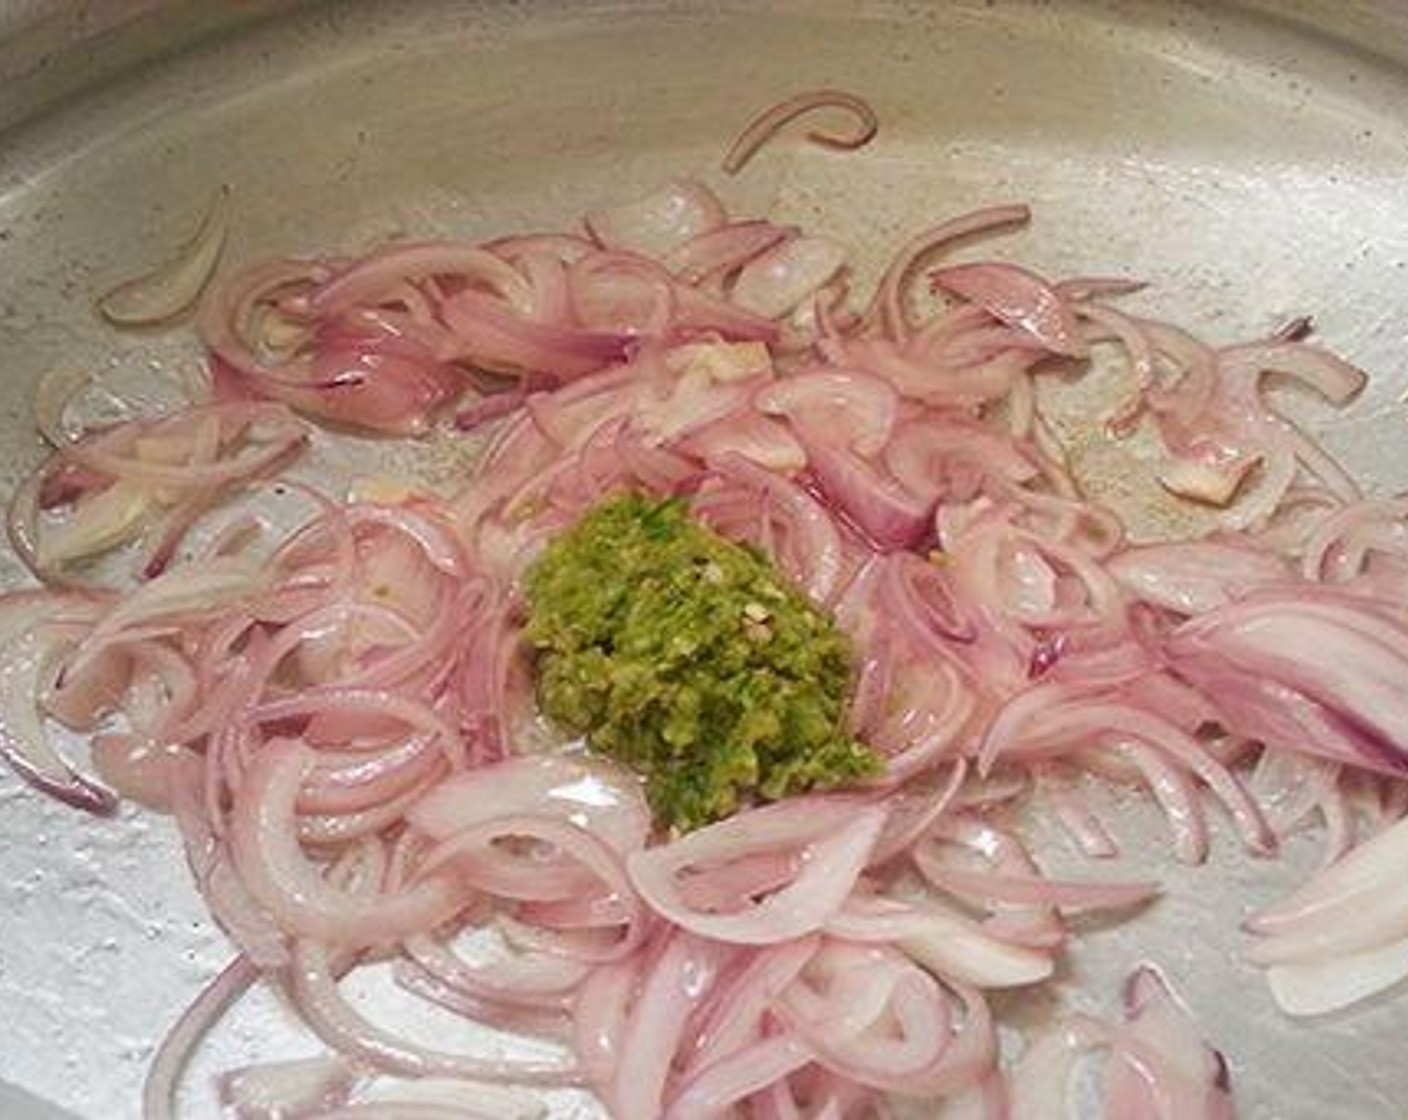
point(173, 286)
point(314, 988)
point(164, 1074)
point(278, 876)
point(763, 127)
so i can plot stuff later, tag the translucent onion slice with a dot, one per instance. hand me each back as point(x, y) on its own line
point(1339, 981)
point(837, 836)
point(175, 284)
point(761, 129)
point(595, 795)
point(31, 645)
point(660, 222)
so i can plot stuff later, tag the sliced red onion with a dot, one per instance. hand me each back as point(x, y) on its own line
point(174, 1054)
point(836, 835)
point(762, 127)
point(813, 552)
point(914, 806)
point(164, 452)
point(942, 940)
point(175, 284)
point(599, 1018)
point(843, 405)
point(365, 383)
point(739, 1076)
point(98, 523)
point(1019, 298)
point(31, 646)
point(1291, 786)
point(743, 1001)
point(1030, 890)
point(280, 877)
point(696, 400)
point(779, 280)
point(962, 383)
point(953, 455)
point(1330, 376)
point(373, 278)
point(180, 594)
point(299, 1087)
point(492, 336)
point(332, 830)
point(135, 768)
point(881, 1021)
point(1097, 287)
point(1159, 1065)
point(1172, 788)
point(347, 782)
point(1164, 1059)
point(592, 794)
point(1308, 669)
point(478, 411)
point(734, 885)
point(918, 1036)
point(876, 503)
point(887, 302)
point(624, 293)
point(541, 1022)
point(926, 713)
point(1339, 938)
point(328, 1013)
point(701, 312)
point(1039, 1083)
point(725, 363)
point(679, 980)
point(528, 979)
point(922, 597)
point(555, 861)
point(748, 435)
point(660, 222)
point(1194, 577)
point(1343, 888)
point(1345, 543)
point(193, 790)
point(1318, 987)
point(723, 250)
point(1096, 719)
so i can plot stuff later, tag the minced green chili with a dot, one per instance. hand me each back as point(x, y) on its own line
point(691, 659)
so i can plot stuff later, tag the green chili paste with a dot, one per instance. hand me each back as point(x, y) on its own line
point(692, 660)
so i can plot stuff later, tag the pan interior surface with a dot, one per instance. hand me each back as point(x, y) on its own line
point(1248, 166)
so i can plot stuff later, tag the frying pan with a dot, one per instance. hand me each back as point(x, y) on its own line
point(1247, 159)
